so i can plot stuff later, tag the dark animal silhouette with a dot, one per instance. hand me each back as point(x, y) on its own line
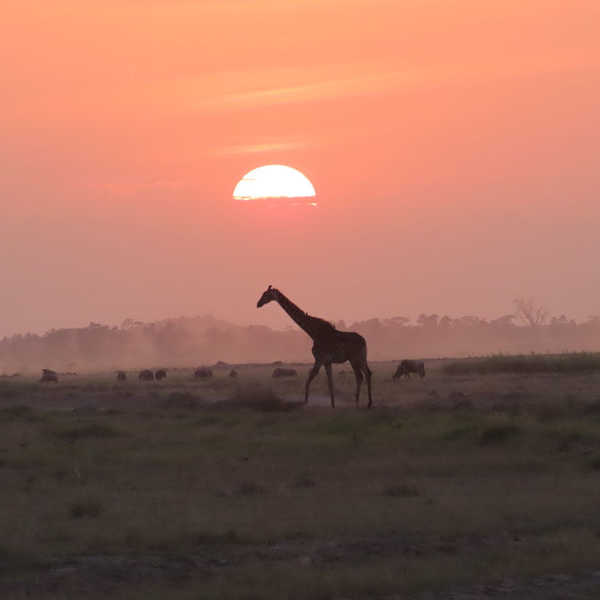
point(406, 367)
point(282, 372)
point(203, 372)
point(160, 374)
point(146, 375)
point(329, 344)
point(233, 373)
point(121, 376)
point(49, 376)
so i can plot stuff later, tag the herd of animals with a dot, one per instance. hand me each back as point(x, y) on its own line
point(330, 345)
point(405, 368)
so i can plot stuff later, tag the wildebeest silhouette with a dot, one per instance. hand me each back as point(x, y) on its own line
point(283, 372)
point(160, 374)
point(48, 375)
point(146, 375)
point(121, 375)
point(233, 373)
point(406, 367)
point(203, 372)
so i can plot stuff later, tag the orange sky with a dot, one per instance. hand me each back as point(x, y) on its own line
point(453, 144)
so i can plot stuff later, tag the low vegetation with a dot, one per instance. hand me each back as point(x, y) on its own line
point(181, 489)
point(578, 362)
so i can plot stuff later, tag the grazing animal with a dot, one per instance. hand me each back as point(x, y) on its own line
point(160, 374)
point(48, 375)
point(121, 376)
point(203, 373)
point(406, 367)
point(329, 344)
point(233, 373)
point(146, 375)
point(281, 372)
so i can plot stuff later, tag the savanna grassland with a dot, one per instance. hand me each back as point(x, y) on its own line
point(463, 483)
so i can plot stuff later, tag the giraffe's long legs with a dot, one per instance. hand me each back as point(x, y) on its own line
point(311, 376)
point(368, 374)
point(359, 377)
point(330, 381)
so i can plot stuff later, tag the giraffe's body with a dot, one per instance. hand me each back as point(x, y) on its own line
point(330, 345)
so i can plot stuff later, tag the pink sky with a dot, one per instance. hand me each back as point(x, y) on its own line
point(454, 147)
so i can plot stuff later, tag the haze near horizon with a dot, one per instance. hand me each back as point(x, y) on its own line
point(453, 148)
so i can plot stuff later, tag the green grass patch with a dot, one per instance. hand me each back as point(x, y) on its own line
point(258, 398)
point(182, 401)
point(88, 430)
point(401, 490)
point(18, 411)
point(498, 434)
point(579, 362)
point(86, 508)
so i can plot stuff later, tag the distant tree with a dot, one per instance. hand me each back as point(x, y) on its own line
point(469, 321)
point(445, 322)
point(428, 321)
point(398, 321)
point(503, 321)
point(530, 313)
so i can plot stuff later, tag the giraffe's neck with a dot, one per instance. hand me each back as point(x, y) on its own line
point(309, 324)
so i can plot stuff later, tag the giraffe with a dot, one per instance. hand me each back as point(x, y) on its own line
point(329, 344)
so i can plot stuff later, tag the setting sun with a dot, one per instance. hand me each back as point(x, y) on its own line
point(275, 182)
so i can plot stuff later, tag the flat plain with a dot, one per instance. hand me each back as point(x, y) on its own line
point(452, 486)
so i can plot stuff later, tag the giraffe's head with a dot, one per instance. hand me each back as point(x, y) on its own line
point(270, 294)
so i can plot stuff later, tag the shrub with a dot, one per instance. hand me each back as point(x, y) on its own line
point(498, 434)
point(595, 463)
point(249, 488)
point(17, 411)
point(181, 400)
point(206, 538)
point(90, 430)
point(402, 490)
point(257, 398)
point(458, 433)
point(85, 508)
point(303, 481)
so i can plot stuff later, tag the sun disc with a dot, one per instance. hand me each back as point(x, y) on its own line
point(272, 182)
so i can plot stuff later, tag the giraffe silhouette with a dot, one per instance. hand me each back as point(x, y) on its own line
point(330, 345)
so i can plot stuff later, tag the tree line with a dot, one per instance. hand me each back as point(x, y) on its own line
point(189, 341)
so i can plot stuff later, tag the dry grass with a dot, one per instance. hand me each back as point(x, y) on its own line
point(576, 362)
point(253, 495)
